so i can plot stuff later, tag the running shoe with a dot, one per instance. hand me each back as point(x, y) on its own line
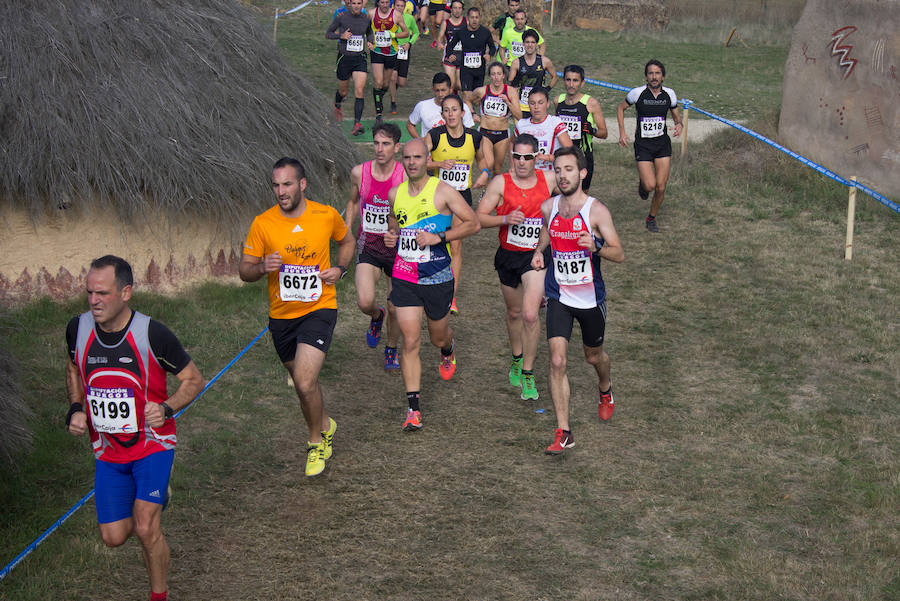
point(391, 359)
point(315, 458)
point(413, 421)
point(606, 405)
point(562, 442)
point(393, 108)
point(529, 390)
point(373, 334)
point(453, 308)
point(651, 224)
point(515, 373)
point(644, 194)
point(328, 438)
point(433, 43)
point(448, 366)
point(378, 119)
point(338, 114)
point(358, 129)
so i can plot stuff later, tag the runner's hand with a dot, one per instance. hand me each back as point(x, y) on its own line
point(154, 415)
point(516, 217)
point(390, 238)
point(272, 262)
point(330, 276)
point(537, 261)
point(78, 423)
point(623, 139)
point(586, 240)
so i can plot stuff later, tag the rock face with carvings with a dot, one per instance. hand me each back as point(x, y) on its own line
point(841, 95)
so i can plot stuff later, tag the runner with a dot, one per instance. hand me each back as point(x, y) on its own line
point(422, 210)
point(346, 8)
point(583, 117)
point(352, 30)
point(289, 244)
point(652, 145)
point(580, 231)
point(452, 57)
point(117, 370)
point(517, 196)
point(454, 151)
point(427, 113)
point(387, 25)
point(437, 12)
point(498, 102)
point(371, 182)
point(477, 48)
point(498, 27)
point(549, 130)
point(530, 71)
point(511, 44)
point(398, 78)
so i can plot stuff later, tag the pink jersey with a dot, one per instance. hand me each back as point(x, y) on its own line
point(374, 208)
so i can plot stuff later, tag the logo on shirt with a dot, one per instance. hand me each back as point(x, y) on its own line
point(301, 252)
point(576, 223)
point(296, 229)
point(125, 359)
point(95, 360)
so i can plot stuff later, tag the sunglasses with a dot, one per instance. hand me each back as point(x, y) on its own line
point(523, 157)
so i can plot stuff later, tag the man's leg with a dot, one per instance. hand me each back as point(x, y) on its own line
point(359, 90)
point(305, 370)
point(409, 322)
point(532, 294)
point(559, 380)
point(513, 299)
point(647, 176)
point(599, 358)
point(365, 279)
point(148, 528)
point(663, 166)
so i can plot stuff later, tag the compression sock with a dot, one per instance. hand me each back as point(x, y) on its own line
point(358, 106)
point(338, 99)
point(413, 399)
point(378, 94)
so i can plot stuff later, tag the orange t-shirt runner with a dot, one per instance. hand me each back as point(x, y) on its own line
point(303, 243)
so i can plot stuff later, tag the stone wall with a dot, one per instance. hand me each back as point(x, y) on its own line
point(631, 14)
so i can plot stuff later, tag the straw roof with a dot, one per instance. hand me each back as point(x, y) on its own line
point(182, 106)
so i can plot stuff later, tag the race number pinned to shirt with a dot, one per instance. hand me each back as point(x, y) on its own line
point(573, 126)
point(355, 43)
point(543, 148)
point(382, 39)
point(457, 176)
point(572, 268)
point(472, 60)
point(517, 49)
point(525, 234)
point(652, 127)
point(403, 54)
point(409, 250)
point(495, 106)
point(112, 410)
point(524, 93)
point(375, 219)
point(300, 283)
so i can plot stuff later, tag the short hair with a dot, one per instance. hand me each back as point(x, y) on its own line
point(577, 69)
point(526, 139)
point(508, 2)
point(290, 162)
point(473, 9)
point(571, 151)
point(461, 3)
point(123, 273)
point(497, 64)
point(389, 129)
point(540, 90)
point(440, 78)
point(653, 61)
point(520, 10)
point(531, 33)
point(452, 97)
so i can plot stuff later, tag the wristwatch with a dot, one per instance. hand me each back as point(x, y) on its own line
point(443, 237)
point(167, 410)
point(343, 271)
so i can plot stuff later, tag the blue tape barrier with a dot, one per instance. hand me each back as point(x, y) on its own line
point(298, 7)
point(9, 567)
point(689, 105)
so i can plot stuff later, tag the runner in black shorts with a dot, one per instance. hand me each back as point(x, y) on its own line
point(353, 30)
point(652, 146)
point(452, 57)
point(477, 48)
point(400, 74)
point(314, 329)
point(498, 100)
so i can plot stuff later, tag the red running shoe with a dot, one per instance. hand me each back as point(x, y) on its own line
point(563, 441)
point(606, 405)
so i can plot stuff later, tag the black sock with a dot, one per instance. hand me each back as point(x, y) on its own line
point(413, 399)
point(517, 357)
point(379, 100)
point(358, 106)
point(447, 352)
point(338, 99)
point(607, 391)
point(651, 217)
point(527, 372)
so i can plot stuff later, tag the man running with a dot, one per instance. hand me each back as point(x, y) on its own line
point(371, 183)
point(477, 46)
point(652, 145)
point(511, 44)
point(353, 30)
point(530, 71)
point(422, 210)
point(583, 117)
point(116, 386)
point(428, 113)
point(549, 130)
point(387, 26)
point(401, 73)
point(580, 231)
point(289, 244)
point(437, 12)
point(516, 197)
point(498, 27)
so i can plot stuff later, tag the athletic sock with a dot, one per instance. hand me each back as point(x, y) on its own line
point(358, 106)
point(413, 399)
point(607, 391)
point(517, 357)
point(447, 352)
point(651, 217)
point(338, 99)
point(378, 94)
point(527, 372)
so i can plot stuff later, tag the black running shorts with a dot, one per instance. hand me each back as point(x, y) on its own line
point(655, 148)
point(314, 329)
point(348, 63)
point(560, 319)
point(511, 264)
point(435, 298)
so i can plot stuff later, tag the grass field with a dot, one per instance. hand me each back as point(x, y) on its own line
point(752, 455)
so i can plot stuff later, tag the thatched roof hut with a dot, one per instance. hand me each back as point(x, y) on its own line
point(145, 129)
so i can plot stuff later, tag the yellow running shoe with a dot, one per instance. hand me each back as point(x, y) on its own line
point(315, 458)
point(328, 438)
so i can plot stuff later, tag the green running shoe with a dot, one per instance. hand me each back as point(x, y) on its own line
point(515, 373)
point(529, 390)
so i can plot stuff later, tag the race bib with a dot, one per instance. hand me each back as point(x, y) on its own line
point(524, 93)
point(112, 410)
point(572, 268)
point(408, 249)
point(382, 39)
point(543, 148)
point(573, 126)
point(299, 283)
point(355, 43)
point(375, 219)
point(403, 54)
point(517, 49)
point(457, 176)
point(652, 127)
point(494, 106)
point(472, 60)
point(525, 234)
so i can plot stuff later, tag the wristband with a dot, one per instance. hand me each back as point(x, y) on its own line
point(486, 170)
point(443, 237)
point(343, 271)
point(73, 409)
point(167, 410)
